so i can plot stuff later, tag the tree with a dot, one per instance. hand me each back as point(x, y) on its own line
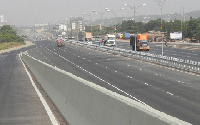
point(153, 25)
point(7, 34)
point(127, 26)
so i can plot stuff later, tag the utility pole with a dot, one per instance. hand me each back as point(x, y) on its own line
point(161, 3)
point(161, 27)
point(182, 21)
point(135, 28)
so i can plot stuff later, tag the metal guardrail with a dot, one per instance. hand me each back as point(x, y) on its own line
point(175, 62)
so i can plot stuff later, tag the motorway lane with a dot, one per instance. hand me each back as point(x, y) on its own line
point(156, 48)
point(168, 90)
point(181, 53)
point(19, 103)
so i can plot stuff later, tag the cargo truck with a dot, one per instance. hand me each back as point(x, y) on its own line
point(141, 42)
point(126, 35)
point(88, 36)
point(109, 40)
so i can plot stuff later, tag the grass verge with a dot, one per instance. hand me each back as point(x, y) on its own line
point(7, 45)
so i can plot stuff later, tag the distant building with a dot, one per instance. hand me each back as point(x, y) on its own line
point(1, 18)
point(2, 21)
point(63, 27)
point(41, 25)
point(76, 24)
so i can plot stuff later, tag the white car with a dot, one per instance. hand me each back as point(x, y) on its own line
point(66, 38)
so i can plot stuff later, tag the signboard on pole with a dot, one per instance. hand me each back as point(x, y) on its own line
point(176, 35)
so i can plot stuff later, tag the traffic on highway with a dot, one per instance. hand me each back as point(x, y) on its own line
point(166, 89)
point(111, 63)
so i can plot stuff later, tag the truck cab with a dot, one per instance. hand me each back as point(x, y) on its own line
point(110, 40)
point(141, 42)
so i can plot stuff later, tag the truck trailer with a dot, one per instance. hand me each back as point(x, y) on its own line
point(126, 35)
point(141, 42)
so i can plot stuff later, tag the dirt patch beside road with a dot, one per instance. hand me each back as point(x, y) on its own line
point(14, 47)
point(188, 47)
point(123, 40)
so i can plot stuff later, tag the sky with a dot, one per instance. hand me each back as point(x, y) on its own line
point(30, 12)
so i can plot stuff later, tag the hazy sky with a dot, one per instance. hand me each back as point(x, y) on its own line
point(29, 12)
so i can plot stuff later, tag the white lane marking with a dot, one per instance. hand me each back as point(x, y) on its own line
point(106, 82)
point(46, 106)
point(170, 93)
point(117, 87)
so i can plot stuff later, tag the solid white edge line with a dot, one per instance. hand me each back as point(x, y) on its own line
point(46, 106)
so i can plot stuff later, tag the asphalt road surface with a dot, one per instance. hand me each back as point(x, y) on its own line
point(19, 102)
point(168, 90)
point(156, 48)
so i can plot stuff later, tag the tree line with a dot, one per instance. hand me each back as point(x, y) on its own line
point(7, 34)
point(190, 29)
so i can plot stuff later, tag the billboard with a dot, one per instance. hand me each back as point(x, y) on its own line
point(176, 35)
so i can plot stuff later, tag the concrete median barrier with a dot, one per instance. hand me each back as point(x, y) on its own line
point(84, 103)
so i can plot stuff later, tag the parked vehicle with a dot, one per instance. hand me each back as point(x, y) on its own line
point(126, 35)
point(141, 42)
point(121, 36)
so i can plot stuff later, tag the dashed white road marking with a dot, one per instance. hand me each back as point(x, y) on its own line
point(170, 93)
point(127, 77)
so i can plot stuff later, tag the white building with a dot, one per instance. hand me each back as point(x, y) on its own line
point(63, 27)
point(76, 24)
point(2, 21)
point(1, 18)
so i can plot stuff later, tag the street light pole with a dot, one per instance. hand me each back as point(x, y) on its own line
point(101, 14)
point(161, 25)
point(135, 30)
point(84, 26)
point(115, 23)
point(134, 10)
point(161, 3)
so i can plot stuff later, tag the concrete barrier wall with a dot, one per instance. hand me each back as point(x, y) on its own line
point(84, 103)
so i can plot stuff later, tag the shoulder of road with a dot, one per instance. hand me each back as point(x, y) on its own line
point(28, 43)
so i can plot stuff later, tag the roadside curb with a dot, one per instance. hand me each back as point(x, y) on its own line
point(28, 43)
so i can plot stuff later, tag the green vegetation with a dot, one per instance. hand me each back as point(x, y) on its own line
point(190, 29)
point(7, 34)
point(7, 45)
point(9, 38)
